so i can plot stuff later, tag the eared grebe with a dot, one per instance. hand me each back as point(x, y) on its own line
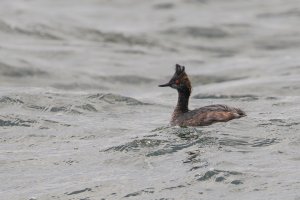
point(206, 115)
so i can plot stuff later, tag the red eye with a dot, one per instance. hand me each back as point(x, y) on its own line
point(177, 82)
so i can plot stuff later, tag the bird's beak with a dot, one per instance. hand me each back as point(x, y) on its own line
point(165, 85)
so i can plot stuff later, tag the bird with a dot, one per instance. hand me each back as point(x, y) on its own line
point(203, 116)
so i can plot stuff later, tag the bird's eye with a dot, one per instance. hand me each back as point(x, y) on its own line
point(177, 82)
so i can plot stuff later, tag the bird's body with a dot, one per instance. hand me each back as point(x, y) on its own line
point(203, 116)
point(206, 115)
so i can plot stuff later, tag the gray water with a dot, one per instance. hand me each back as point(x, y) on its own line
point(82, 117)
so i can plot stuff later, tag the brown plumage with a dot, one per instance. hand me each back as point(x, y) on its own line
point(204, 116)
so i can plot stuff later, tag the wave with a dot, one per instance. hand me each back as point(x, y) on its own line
point(12, 121)
point(20, 72)
point(220, 176)
point(246, 97)
point(115, 99)
point(196, 31)
point(37, 31)
point(125, 79)
point(66, 103)
point(209, 79)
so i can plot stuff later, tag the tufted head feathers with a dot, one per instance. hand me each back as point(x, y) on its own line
point(179, 81)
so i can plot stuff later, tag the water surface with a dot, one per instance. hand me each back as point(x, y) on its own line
point(82, 116)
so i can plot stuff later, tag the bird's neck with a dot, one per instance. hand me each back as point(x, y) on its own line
point(182, 103)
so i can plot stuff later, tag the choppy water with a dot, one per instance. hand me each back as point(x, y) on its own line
point(82, 116)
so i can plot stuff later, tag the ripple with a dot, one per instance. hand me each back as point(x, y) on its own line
point(46, 124)
point(264, 142)
point(78, 86)
point(207, 79)
point(278, 44)
point(127, 79)
point(233, 142)
point(65, 109)
point(195, 31)
point(12, 121)
point(220, 51)
point(55, 108)
point(137, 145)
point(173, 148)
point(194, 157)
point(213, 173)
point(19, 72)
point(87, 107)
point(208, 175)
point(66, 103)
point(295, 12)
point(186, 133)
point(138, 193)
point(131, 51)
point(220, 179)
point(10, 100)
point(36, 107)
point(79, 191)
point(250, 142)
point(37, 31)
point(283, 123)
point(185, 138)
point(111, 37)
point(174, 187)
point(116, 99)
point(164, 6)
point(246, 97)
point(236, 182)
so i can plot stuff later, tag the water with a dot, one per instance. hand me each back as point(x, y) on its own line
point(82, 116)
